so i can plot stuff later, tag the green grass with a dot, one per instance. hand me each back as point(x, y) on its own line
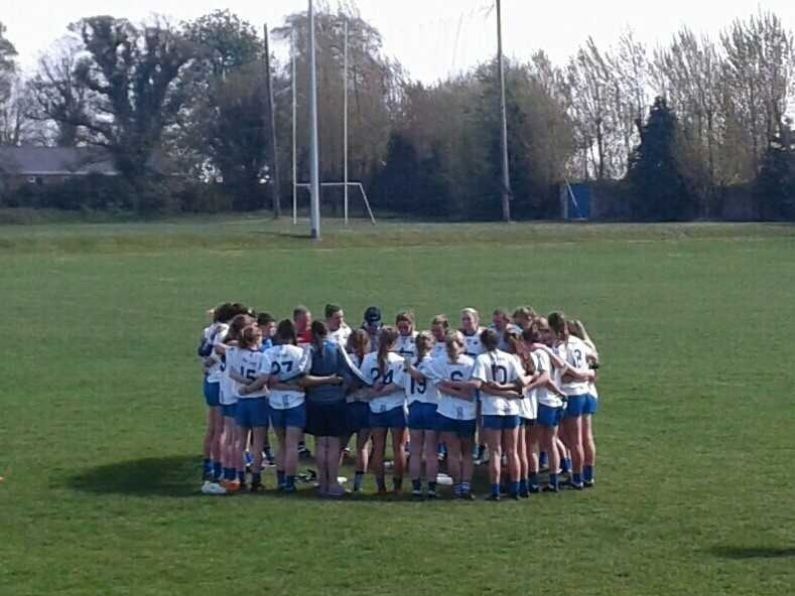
point(102, 415)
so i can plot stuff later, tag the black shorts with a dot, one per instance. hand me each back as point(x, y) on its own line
point(326, 420)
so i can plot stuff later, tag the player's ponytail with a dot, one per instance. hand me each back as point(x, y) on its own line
point(557, 321)
point(386, 341)
point(285, 333)
point(250, 337)
point(424, 343)
point(359, 343)
point(490, 339)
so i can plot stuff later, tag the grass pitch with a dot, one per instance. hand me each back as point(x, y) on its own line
point(102, 413)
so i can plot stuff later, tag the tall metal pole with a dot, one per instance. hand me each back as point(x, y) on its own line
point(506, 174)
point(295, 128)
point(277, 201)
point(314, 159)
point(345, 123)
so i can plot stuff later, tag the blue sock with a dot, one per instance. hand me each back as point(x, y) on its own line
point(290, 482)
point(466, 488)
point(515, 488)
point(218, 470)
point(523, 484)
point(280, 478)
point(543, 459)
point(553, 481)
point(576, 478)
point(256, 478)
point(358, 480)
point(432, 487)
point(533, 480)
point(241, 476)
point(588, 473)
point(208, 467)
point(495, 490)
point(416, 485)
point(566, 465)
point(229, 474)
point(457, 490)
point(381, 483)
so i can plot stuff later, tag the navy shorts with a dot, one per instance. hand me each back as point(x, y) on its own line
point(357, 414)
point(591, 405)
point(394, 418)
point(228, 410)
point(501, 422)
point(549, 417)
point(290, 418)
point(463, 429)
point(252, 413)
point(326, 420)
point(422, 416)
point(575, 405)
point(212, 394)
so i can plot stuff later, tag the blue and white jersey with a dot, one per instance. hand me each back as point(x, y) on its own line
point(406, 345)
point(340, 336)
point(575, 352)
point(498, 367)
point(424, 391)
point(544, 396)
point(226, 393)
point(392, 375)
point(247, 364)
point(528, 406)
point(439, 350)
point(473, 346)
point(450, 406)
point(286, 363)
point(212, 336)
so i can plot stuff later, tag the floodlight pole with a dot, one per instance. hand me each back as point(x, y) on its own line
point(295, 127)
point(345, 124)
point(314, 159)
point(506, 175)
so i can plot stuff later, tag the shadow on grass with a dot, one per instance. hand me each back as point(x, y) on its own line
point(174, 476)
point(753, 552)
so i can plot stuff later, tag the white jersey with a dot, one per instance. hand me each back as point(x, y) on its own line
point(543, 395)
point(359, 394)
point(286, 363)
point(449, 406)
point(498, 367)
point(214, 335)
point(422, 391)
point(406, 345)
point(439, 350)
point(340, 336)
point(472, 345)
point(528, 406)
point(247, 364)
point(226, 395)
point(503, 345)
point(575, 353)
point(393, 375)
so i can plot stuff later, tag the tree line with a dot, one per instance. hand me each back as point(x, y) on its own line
point(668, 132)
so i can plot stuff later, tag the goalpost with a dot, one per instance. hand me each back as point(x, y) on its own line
point(346, 184)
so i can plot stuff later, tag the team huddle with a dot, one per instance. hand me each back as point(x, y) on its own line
point(522, 390)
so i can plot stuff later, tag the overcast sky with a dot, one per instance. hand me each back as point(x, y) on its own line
point(431, 38)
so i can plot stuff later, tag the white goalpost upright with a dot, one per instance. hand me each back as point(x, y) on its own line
point(346, 183)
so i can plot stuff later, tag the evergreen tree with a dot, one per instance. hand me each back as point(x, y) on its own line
point(774, 190)
point(657, 186)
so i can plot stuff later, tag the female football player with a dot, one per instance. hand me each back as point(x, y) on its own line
point(358, 407)
point(383, 371)
point(423, 400)
point(576, 328)
point(440, 325)
point(404, 322)
point(457, 411)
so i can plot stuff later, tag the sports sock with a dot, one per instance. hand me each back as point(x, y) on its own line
point(432, 487)
point(457, 490)
point(576, 478)
point(218, 470)
point(290, 482)
point(566, 465)
point(280, 478)
point(514, 491)
point(358, 480)
point(229, 474)
point(543, 459)
point(553, 481)
point(533, 480)
point(466, 488)
point(523, 484)
point(380, 482)
point(207, 468)
point(588, 473)
point(495, 490)
point(241, 476)
point(416, 485)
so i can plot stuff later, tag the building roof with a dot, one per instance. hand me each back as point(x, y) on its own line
point(56, 161)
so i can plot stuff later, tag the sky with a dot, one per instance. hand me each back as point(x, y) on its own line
point(431, 38)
